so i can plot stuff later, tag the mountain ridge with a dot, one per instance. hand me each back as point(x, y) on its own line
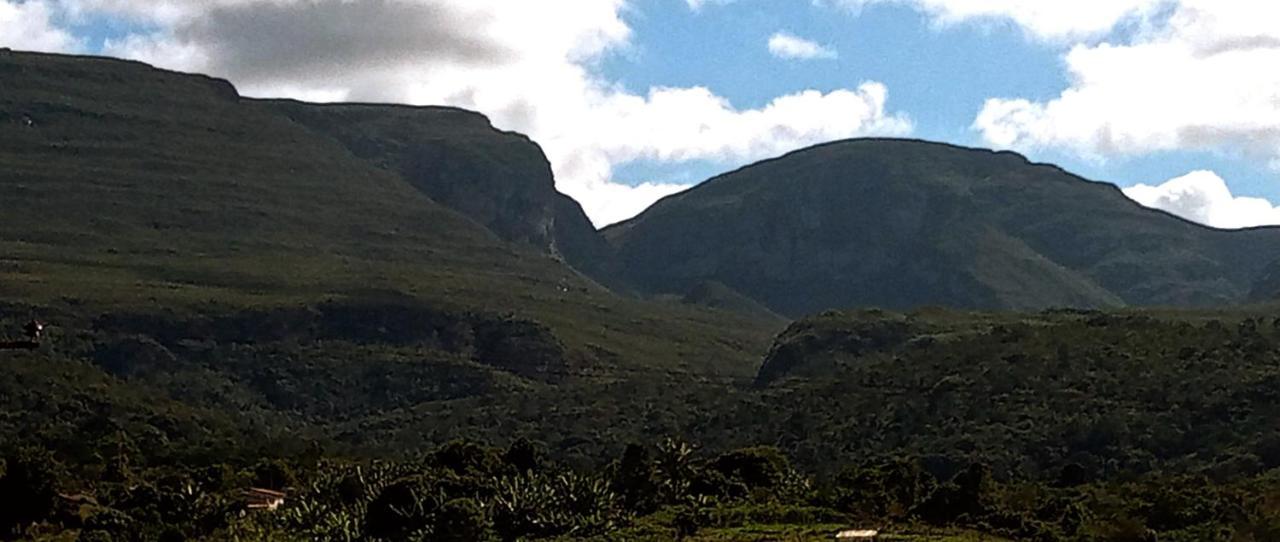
point(954, 146)
point(922, 222)
point(932, 202)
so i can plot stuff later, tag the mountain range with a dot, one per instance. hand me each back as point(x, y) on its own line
point(171, 182)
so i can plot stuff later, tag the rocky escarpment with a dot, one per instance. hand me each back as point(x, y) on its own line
point(500, 179)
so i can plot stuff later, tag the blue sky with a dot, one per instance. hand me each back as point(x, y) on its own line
point(632, 100)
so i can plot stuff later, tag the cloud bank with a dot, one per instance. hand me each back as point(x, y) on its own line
point(1200, 80)
point(30, 26)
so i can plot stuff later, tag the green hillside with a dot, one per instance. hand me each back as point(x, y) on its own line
point(902, 224)
point(127, 186)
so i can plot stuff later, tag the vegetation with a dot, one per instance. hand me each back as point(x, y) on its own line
point(1062, 425)
point(1102, 394)
point(466, 491)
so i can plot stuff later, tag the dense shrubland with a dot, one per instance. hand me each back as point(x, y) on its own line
point(1061, 425)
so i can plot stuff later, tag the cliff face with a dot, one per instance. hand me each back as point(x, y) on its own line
point(899, 224)
point(502, 180)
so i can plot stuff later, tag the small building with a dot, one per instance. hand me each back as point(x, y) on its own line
point(858, 535)
point(256, 498)
point(33, 330)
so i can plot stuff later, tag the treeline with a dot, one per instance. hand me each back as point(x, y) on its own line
point(464, 491)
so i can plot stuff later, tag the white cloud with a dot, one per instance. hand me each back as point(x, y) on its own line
point(613, 203)
point(1202, 80)
point(30, 26)
point(1044, 19)
point(697, 5)
point(1203, 197)
point(785, 45)
point(528, 68)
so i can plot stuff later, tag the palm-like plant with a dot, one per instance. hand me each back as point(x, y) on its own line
point(565, 504)
point(676, 472)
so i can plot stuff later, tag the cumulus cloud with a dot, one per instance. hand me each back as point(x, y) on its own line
point(529, 68)
point(1199, 81)
point(30, 26)
point(789, 46)
point(1203, 197)
point(1044, 19)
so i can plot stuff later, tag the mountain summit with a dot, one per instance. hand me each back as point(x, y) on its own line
point(901, 223)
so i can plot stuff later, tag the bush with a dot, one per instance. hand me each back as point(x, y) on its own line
point(460, 520)
point(403, 508)
point(755, 468)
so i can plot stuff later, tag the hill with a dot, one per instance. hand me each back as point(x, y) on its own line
point(901, 224)
point(132, 188)
point(1107, 392)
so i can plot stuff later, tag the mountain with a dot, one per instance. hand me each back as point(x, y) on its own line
point(129, 189)
point(902, 223)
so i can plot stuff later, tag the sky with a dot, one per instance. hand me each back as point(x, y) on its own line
point(1177, 101)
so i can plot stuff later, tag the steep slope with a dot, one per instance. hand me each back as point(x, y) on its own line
point(131, 188)
point(900, 223)
point(500, 179)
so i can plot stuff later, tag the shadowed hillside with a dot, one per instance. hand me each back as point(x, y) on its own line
point(501, 180)
point(898, 223)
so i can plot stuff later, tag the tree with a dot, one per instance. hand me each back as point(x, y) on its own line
point(634, 480)
point(460, 520)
